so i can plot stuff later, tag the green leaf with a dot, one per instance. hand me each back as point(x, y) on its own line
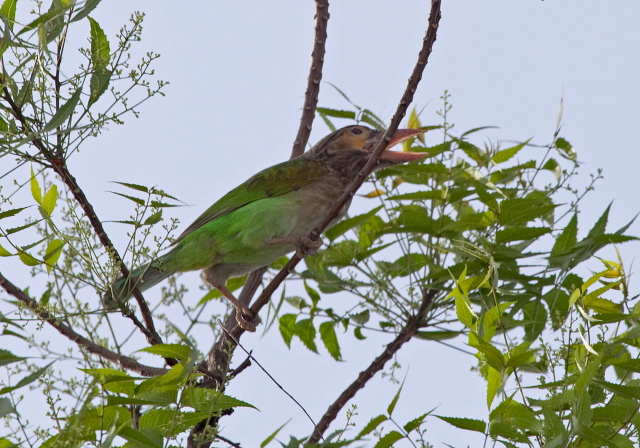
point(12, 212)
point(64, 112)
point(273, 435)
point(100, 52)
point(28, 259)
point(134, 186)
point(153, 219)
point(6, 408)
point(6, 357)
point(4, 252)
point(26, 380)
point(522, 210)
point(89, 5)
point(50, 199)
point(170, 422)
point(566, 148)
point(465, 423)
point(330, 340)
point(98, 84)
point(553, 166)
point(348, 224)
point(389, 439)
point(336, 113)
point(463, 311)
point(131, 198)
point(36, 192)
point(209, 400)
point(438, 335)
point(287, 326)
point(177, 351)
point(21, 228)
point(625, 391)
point(139, 439)
point(8, 13)
point(415, 423)
point(520, 234)
point(494, 383)
point(305, 330)
point(394, 401)
point(506, 154)
point(53, 252)
point(373, 424)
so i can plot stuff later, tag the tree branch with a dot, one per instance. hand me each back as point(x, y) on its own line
point(376, 152)
point(59, 166)
point(407, 332)
point(313, 81)
point(124, 361)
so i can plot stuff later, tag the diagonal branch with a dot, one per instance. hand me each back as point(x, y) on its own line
point(124, 361)
point(313, 81)
point(59, 166)
point(408, 331)
point(376, 152)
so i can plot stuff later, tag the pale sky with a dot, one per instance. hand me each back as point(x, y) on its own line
point(238, 74)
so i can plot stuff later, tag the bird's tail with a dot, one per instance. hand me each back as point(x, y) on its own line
point(142, 278)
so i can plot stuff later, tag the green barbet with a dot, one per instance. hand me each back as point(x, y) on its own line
point(268, 216)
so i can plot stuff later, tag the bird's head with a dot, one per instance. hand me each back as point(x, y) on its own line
point(347, 149)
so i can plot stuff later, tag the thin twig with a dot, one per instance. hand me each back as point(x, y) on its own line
point(313, 81)
point(225, 440)
point(59, 166)
point(408, 331)
point(124, 361)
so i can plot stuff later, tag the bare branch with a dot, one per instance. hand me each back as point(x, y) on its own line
point(124, 361)
point(407, 332)
point(313, 81)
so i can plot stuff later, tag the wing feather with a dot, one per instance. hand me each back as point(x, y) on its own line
point(274, 181)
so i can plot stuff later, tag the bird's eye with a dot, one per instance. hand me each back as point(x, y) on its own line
point(356, 131)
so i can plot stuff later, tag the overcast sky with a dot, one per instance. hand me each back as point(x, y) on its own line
point(237, 73)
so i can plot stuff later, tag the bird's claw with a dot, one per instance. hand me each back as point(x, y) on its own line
point(247, 319)
point(307, 246)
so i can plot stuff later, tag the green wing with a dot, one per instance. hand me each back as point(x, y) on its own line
point(274, 181)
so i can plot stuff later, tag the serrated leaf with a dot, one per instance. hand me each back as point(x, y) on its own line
point(506, 154)
point(26, 380)
point(49, 200)
point(415, 423)
point(336, 113)
point(13, 230)
point(394, 401)
point(98, 84)
point(134, 186)
point(36, 192)
point(153, 219)
point(494, 384)
point(53, 252)
point(6, 408)
point(465, 423)
point(28, 259)
point(287, 326)
point(209, 400)
point(510, 234)
point(388, 439)
point(305, 330)
point(273, 435)
point(177, 351)
point(64, 112)
point(131, 198)
point(4, 252)
point(100, 52)
point(6, 357)
point(330, 340)
point(12, 212)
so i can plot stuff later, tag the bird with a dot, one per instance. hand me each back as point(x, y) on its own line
point(268, 216)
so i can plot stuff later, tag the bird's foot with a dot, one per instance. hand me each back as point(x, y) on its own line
point(307, 246)
point(247, 319)
point(303, 244)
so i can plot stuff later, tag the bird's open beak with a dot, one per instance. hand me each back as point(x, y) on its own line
point(402, 156)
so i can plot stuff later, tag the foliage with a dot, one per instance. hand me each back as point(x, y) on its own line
point(492, 229)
